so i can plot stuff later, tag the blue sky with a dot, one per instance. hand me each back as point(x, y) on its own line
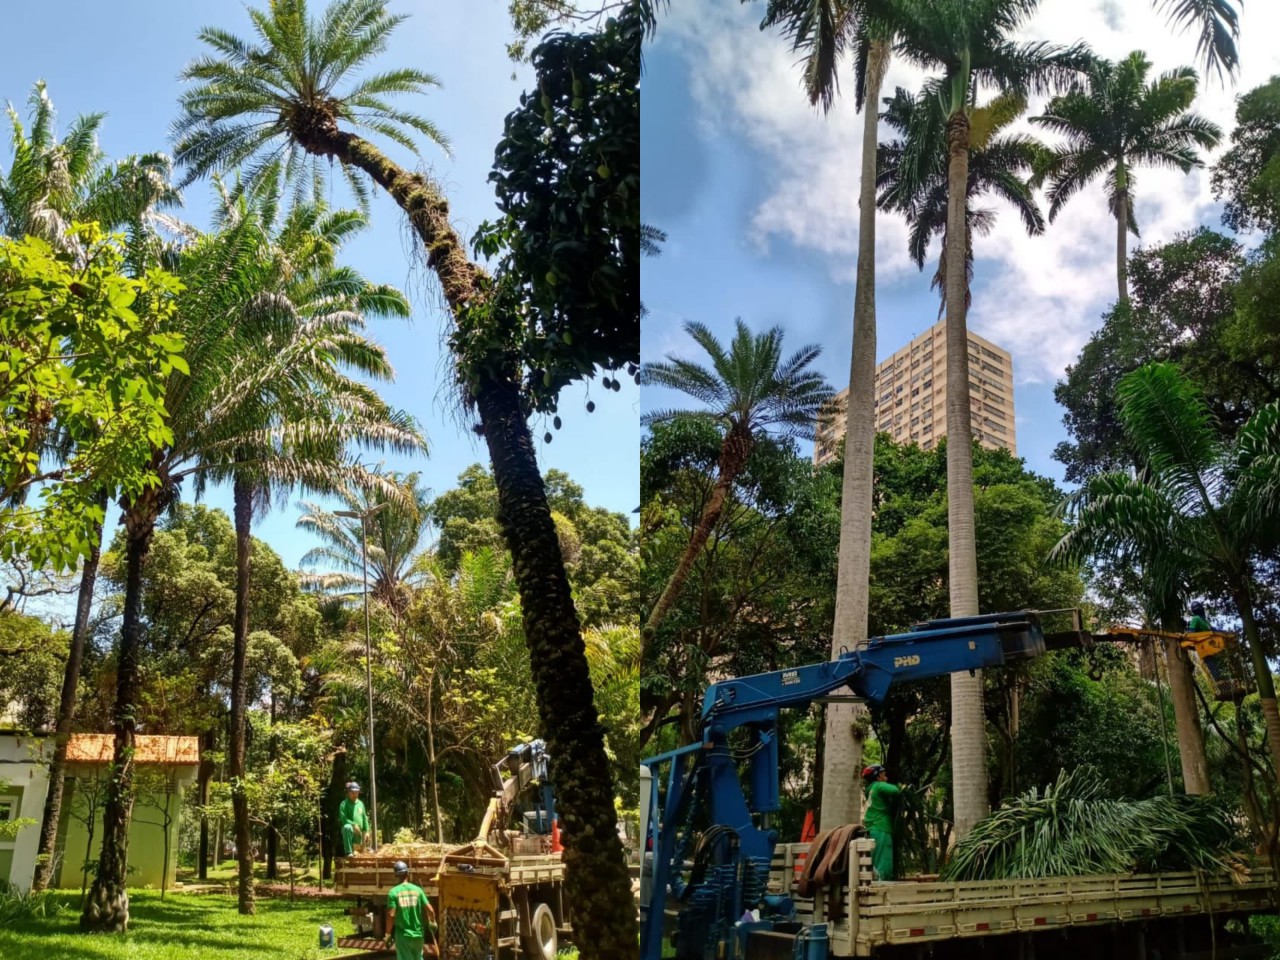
point(758, 195)
point(124, 58)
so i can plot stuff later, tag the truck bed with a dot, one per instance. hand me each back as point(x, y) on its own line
point(371, 875)
point(878, 915)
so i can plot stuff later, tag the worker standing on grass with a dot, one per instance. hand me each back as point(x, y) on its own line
point(882, 804)
point(410, 916)
point(354, 819)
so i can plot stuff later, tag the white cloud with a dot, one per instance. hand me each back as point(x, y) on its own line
point(1039, 297)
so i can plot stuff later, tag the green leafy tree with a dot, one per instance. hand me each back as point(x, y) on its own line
point(969, 41)
point(1247, 175)
point(1200, 505)
point(1115, 122)
point(750, 390)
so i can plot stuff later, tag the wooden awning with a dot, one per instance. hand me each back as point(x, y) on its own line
point(151, 750)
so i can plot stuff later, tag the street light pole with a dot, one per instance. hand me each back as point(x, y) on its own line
point(368, 659)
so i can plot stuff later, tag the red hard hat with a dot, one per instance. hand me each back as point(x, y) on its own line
point(871, 771)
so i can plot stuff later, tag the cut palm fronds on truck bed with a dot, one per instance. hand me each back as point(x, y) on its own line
point(1073, 828)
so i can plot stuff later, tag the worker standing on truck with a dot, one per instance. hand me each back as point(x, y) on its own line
point(882, 804)
point(409, 917)
point(354, 819)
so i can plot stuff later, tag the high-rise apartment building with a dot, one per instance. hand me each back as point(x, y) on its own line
point(911, 394)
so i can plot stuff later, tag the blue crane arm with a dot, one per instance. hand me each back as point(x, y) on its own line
point(703, 783)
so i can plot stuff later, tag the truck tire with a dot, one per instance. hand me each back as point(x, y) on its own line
point(540, 940)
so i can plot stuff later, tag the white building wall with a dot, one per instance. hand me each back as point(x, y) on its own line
point(24, 766)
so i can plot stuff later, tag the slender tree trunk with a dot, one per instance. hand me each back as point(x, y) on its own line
point(1186, 716)
point(841, 782)
point(1261, 669)
point(46, 852)
point(1122, 232)
point(273, 832)
point(968, 723)
point(431, 758)
point(202, 791)
point(243, 507)
point(733, 457)
point(106, 909)
point(597, 880)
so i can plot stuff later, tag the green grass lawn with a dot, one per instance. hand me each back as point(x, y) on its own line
point(180, 927)
point(183, 927)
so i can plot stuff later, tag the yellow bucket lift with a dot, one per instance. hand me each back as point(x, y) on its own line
point(1212, 654)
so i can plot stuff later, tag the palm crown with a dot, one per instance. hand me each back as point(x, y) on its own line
point(272, 106)
point(749, 386)
point(913, 179)
point(1117, 121)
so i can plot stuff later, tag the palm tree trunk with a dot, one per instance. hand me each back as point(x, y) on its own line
point(968, 723)
point(841, 796)
point(1122, 234)
point(1186, 715)
point(1243, 597)
point(597, 882)
point(67, 713)
point(243, 508)
point(597, 877)
point(733, 457)
point(106, 909)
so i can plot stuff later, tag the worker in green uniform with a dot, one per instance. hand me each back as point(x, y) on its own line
point(1198, 622)
point(354, 819)
point(410, 917)
point(882, 806)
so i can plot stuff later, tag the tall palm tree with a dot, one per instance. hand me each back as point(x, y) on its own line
point(1199, 505)
point(823, 31)
point(307, 291)
point(968, 41)
point(998, 164)
point(289, 99)
point(247, 353)
point(750, 390)
point(396, 539)
point(50, 185)
point(1115, 122)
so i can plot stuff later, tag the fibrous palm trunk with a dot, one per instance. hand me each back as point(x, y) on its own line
point(243, 508)
point(1186, 715)
point(67, 713)
point(968, 722)
point(598, 882)
point(841, 796)
point(597, 877)
point(106, 909)
point(734, 452)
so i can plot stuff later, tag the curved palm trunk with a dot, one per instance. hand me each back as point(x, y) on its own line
point(598, 882)
point(1243, 597)
point(66, 714)
point(597, 877)
point(733, 457)
point(968, 723)
point(842, 760)
point(106, 909)
point(243, 508)
point(1122, 237)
